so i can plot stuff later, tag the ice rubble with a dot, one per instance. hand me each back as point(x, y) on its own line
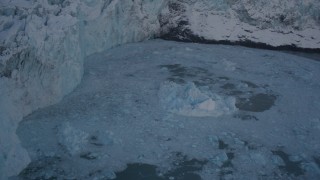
point(188, 100)
point(43, 43)
point(121, 112)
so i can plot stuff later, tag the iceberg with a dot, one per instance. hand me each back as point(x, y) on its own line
point(188, 100)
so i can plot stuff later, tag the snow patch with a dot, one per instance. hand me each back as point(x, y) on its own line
point(188, 100)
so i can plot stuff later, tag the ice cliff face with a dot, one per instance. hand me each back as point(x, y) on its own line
point(42, 46)
point(271, 23)
point(43, 43)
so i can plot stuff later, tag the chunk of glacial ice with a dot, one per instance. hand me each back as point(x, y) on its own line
point(220, 159)
point(73, 139)
point(188, 100)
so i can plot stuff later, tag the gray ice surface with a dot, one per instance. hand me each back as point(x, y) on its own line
point(116, 117)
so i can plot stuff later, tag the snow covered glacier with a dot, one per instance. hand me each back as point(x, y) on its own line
point(274, 23)
point(43, 43)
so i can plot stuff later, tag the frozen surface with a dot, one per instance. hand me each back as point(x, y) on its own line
point(127, 110)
